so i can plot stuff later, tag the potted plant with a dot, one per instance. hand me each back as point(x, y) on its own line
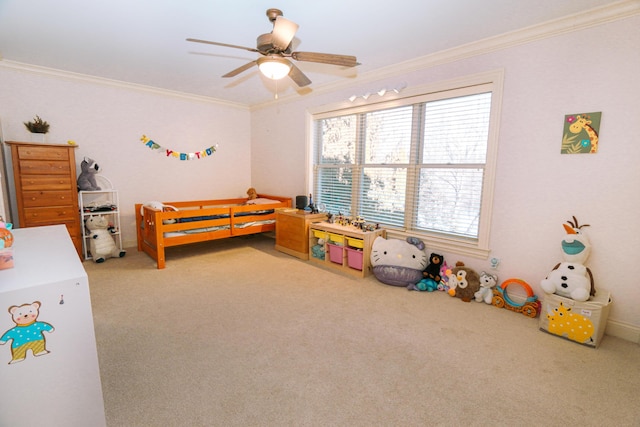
point(38, 128)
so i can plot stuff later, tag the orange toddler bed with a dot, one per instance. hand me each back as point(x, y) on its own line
point(181, 223)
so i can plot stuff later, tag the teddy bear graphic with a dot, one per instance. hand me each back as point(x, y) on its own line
point(28, 334)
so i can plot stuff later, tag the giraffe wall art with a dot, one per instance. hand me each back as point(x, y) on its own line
point(581, 133)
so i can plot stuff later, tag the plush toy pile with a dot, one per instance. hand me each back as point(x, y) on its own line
point(87, 179)
point(571, 278)
point(101, 244)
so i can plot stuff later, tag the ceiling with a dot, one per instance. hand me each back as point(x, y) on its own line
point(143, 41)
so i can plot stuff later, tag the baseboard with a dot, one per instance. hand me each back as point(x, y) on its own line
point(623, 330)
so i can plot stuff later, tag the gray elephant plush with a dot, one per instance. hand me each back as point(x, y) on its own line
point(87, 178)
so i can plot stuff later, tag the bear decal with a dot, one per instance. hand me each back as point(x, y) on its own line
point(28, 334)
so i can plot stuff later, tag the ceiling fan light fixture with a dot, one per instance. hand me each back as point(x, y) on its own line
point(283, 32)
point(273, 67)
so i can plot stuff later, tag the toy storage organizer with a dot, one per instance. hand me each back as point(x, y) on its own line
point(101, 202)
point(583, 322)
point(345, 248)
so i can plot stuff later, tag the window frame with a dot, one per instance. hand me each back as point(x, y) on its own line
point(484, 82)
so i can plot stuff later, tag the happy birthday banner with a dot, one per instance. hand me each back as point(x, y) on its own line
point(177, 154)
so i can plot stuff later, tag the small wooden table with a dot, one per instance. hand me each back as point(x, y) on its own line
point(292, 231)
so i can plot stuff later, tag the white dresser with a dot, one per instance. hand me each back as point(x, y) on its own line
point(61, 386)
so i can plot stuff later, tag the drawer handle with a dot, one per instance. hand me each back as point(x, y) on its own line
point(33, 198)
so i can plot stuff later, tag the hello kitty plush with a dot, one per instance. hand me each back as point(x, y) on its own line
point(398, 262)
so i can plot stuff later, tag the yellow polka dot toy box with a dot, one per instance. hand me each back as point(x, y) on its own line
point(581, 321)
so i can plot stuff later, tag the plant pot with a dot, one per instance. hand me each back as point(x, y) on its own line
point(39, 137)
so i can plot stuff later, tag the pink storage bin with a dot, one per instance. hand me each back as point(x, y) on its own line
point(354, 258)
point(335, 253)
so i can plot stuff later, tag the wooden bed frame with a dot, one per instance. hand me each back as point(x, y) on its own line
point(218, 219)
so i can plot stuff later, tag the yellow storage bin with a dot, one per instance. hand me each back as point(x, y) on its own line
point(320, 234)
point(356, 243)
point(337, 238)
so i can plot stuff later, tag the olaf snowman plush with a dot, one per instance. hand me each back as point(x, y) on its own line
point(571, 279)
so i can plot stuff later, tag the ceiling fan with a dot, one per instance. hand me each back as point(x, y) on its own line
point(275, 48)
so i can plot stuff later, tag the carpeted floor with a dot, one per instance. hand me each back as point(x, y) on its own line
point(234, 333)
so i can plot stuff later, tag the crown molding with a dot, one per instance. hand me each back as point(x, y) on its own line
point(68, 75)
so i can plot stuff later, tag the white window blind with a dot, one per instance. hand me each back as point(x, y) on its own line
point(418, 165)
point(448, 194)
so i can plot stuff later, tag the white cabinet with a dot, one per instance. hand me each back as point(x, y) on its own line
point(61, 385)
point(102, 202)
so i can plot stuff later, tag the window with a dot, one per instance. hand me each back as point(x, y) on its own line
point(421, 165)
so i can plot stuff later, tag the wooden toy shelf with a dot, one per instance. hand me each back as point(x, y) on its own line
point(345, 248)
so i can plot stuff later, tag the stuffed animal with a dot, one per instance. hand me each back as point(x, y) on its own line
point(571, 279)
point(28, 334)
point(87, 179)
point(430, 276)
point(252, 193)
point(101, 244)
point(433, 269)
point(464, 282)
point(398, 262)
point(318, 250)
point(445, 270)
point(487, 283)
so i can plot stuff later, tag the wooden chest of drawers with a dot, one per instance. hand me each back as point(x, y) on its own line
point(46, 192)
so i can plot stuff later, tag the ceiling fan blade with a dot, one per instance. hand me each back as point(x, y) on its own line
point(326, 58)
point(250, 49)
point(283, 32)
point(239, 70)
point(298, 76)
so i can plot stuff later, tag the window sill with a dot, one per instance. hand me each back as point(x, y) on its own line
point(443, 244)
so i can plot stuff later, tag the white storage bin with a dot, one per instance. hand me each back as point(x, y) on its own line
point(581, 321)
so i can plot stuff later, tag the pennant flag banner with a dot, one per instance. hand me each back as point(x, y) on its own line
point(177, 154)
